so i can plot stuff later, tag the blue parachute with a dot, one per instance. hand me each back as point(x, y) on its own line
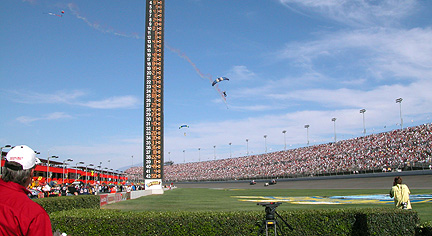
point(219, 80)
point(184, 126)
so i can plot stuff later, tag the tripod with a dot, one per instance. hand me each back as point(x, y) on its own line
point(270, 221)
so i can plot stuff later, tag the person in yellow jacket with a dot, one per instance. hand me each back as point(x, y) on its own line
point(400, 192)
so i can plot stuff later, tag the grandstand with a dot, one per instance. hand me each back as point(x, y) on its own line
point(397, 150)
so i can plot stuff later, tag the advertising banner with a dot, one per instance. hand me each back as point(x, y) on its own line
point(151, 184)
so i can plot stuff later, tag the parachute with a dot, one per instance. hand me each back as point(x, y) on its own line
point(54, 14)
point(219, 80)
point(184, 126)
point(222, 93)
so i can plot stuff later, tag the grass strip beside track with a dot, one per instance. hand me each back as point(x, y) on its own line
point(190, 199)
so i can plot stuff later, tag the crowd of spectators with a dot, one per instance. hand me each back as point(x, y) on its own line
point(55, 190)
point(394, 150)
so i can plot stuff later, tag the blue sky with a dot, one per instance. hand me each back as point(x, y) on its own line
point(72, 86)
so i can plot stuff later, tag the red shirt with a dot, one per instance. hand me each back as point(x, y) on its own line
point(19, 215)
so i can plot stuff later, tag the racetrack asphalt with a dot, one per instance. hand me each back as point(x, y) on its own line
point(414, 180)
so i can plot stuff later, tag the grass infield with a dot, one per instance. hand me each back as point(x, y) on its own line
point(201, 199)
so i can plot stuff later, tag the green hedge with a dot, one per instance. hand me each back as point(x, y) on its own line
point(381, 221)
point(424, 229)
point(53, 204)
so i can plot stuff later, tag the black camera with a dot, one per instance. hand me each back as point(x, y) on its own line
point(270, 221)
point(269, 204)
point(270, 209)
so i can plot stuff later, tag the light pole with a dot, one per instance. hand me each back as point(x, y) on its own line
point(362, 111)
point(334, 121)
point(87, 173)
point(76, 169)
point(120, 173)
point(48, 173)
point(132, 161)
point(199, 154)
point(1, 156)
point(230, 149)
point(265, 143)
point(184, 156)
point(100, 168)
point(399, 100)
point(247, 147)
point(284, 132)
point(98, 175)
point(214, 151)
point(64, 162)
point(307, 134)
point(106, 176)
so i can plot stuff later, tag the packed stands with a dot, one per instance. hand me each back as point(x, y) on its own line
point(395, 150)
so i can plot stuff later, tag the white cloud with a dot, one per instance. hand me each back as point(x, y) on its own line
point(252, 108)
point(241, 73)
point(357, 12)
point(387, 63)
point(402, 53)
point(114, 103)
point(75, 98)
point(27, 97)
point(51, 116)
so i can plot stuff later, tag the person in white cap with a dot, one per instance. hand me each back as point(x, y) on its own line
point(19, 215)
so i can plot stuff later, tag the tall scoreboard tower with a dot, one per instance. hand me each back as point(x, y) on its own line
point(153, 95)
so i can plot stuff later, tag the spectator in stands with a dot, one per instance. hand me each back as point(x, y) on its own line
point(71, 190)
point(395, 150)
point(80, 190)
point(113, 189)
point(46, 189)
point(400, 192)
point(388, 151)
point(64, 189)
point(19, 215)
point(128, 189)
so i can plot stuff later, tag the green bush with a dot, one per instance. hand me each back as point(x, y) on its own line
point(424, 229)
point(391, 222)
point(112, 222)
point(383, 221)
point(53, 204)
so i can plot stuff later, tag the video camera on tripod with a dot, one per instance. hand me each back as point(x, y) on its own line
point(270, 218)
point(270, 209)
